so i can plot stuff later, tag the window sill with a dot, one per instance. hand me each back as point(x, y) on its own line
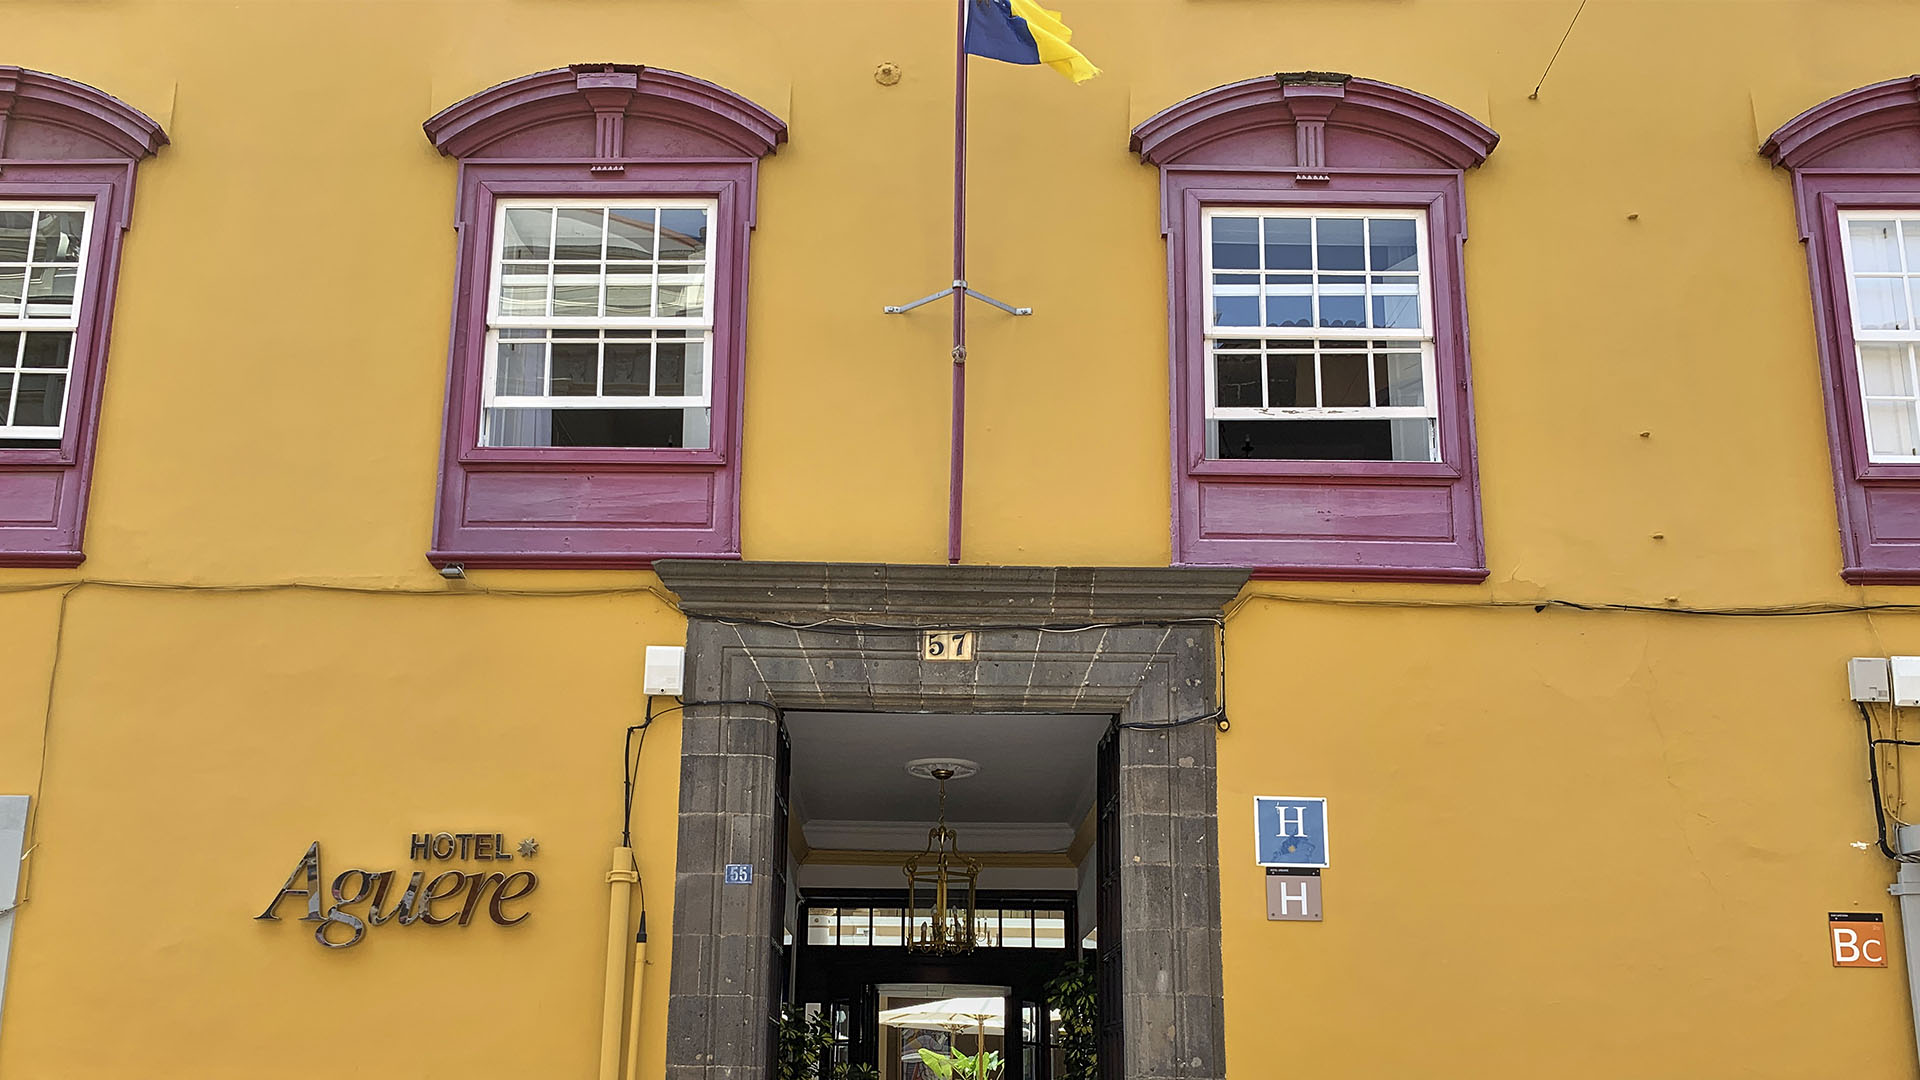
point(1881, 575)
point(569, 457)
point(42, 559)
point(562, 560)
point(1333, 471)
point(1436, 575)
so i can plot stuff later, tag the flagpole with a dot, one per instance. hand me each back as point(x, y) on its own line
point(956, 465)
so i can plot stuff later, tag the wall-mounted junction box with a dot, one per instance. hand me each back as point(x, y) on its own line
point(666, 669)
point(1867, 679)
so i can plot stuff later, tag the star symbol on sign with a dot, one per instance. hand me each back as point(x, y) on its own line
point(529, 848)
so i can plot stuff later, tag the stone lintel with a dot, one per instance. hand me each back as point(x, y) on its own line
point(932, 595)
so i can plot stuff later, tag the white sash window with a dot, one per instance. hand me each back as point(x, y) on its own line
point(600, 325)
point(43, 268)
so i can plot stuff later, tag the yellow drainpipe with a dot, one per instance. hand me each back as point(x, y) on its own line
point(620, 882)
point(633, 1011)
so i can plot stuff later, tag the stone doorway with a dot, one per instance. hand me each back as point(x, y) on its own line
point(763, 638)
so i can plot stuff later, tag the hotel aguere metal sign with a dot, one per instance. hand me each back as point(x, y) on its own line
point(451, 896)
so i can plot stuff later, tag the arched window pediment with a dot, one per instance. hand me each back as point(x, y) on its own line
point(1208, 128)
point(586, 111)
point(45, 117)
point(1875, 126)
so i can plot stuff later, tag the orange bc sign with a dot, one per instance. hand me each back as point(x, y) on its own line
point(450, 896)
point(1858, 938)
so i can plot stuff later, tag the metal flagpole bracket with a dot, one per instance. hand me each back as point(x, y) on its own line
point(961, 286)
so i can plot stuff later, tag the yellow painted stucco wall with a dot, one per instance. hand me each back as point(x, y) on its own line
point(1566, 844)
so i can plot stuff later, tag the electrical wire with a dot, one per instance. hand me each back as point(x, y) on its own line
point(1577, 12)
point(31, 840)
point(1873, 780)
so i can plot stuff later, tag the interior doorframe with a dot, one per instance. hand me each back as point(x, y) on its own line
point(764, 638)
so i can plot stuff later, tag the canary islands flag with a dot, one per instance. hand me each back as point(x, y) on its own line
point(1023, 32)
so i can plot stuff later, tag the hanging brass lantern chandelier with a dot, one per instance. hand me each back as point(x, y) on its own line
point(940, 880)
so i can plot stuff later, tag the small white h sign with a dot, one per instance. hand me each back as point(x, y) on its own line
point(1293, 895)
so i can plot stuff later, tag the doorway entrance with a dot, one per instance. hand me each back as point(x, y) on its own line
point(766, 640)
point(1019, 805)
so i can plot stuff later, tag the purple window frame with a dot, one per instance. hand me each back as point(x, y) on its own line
point(62, 140)
point(613, 132)
point(1311, 141)
point(1857, 151)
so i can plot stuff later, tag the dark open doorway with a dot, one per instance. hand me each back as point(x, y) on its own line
point(1024, 811)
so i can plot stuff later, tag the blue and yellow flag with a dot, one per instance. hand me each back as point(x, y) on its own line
point(1023, 32)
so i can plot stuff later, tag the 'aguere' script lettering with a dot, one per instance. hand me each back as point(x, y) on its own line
point(452, 896)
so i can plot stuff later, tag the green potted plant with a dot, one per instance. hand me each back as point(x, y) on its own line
point(1075, 993)
point(955, 1065)
point(803, 1045)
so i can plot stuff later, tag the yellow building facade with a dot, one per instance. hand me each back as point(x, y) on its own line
point(1592, 840)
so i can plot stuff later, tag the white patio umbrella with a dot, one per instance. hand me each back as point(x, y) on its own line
point(985, 1015)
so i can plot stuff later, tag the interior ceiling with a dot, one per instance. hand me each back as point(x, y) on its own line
point(853, 766)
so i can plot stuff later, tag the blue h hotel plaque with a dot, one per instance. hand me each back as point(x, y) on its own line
point(1290, 831)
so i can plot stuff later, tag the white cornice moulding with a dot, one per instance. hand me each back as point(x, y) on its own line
point(912, 836)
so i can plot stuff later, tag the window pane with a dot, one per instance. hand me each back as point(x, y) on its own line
point(1391, 244)
point(57, 239)
point(887, 924)
point(1236, 380)
point(44, 350)
point(626, 369)
point(670, 372)
point(6, 396)
point(1881, 303)
point(853, 926)
point(1289, 310)
point(1290, 380)
point(822, 924)
point(1890, 428)
point(521, 369)
point(1236, 243)
point(986, 929)
point(1875, 246)
point(1398, 380)
point(15, 230)
point(1289, 243)
point(577, 233)
point(676, 300)
point(1883, 370)
point(574, 370)
point(630, 295)
point(50, 291)
point(1343, 379)
point(12, 283)
point(1016, 929)
point(1343, 310)
point(1236, 310)
point(1342, 243)
point(1050, 929)
point(40, 400)
point(523, 289)
point(1413, 440)
point(576, 291)
point(527, 234)
point(683, 234)
point(9, 347)
point(1396, 305)
point(630, 234)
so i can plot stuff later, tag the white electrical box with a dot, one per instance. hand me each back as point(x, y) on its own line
point(667, 669)
point(1867, 679)
point(1906, 680)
